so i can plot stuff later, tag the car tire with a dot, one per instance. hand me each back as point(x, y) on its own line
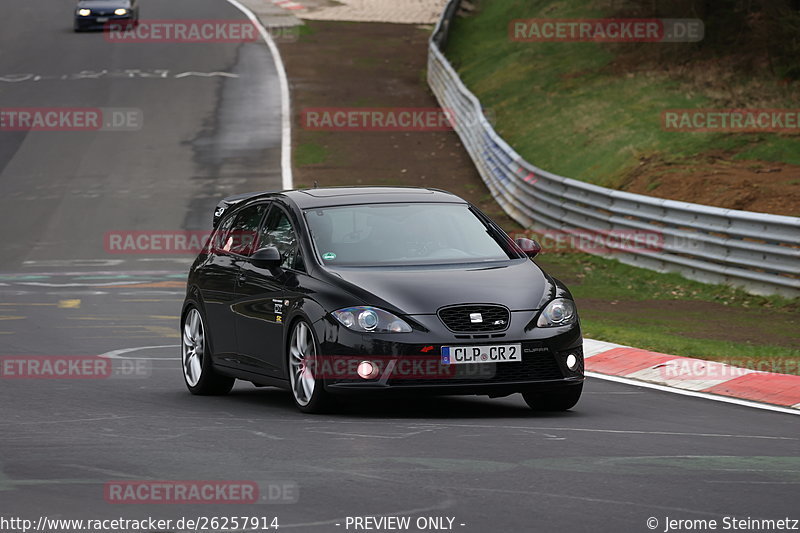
point(308, 391)
point(561, 400)
point(196, 350)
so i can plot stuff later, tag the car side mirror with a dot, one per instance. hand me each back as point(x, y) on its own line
point(529, 246)
point(267, 257)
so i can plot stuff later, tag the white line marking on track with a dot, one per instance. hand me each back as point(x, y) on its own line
point(6, 275)
point(112, 473)
point(583, 498)
point(118, 354)
point(368, 436)
point(621, 431)
point(286, 119)
point(266, 435)
point(71, 421)
point(695, 394)
point(758, 482)
point(96, 283)
point(592, 347)
point(207, 74)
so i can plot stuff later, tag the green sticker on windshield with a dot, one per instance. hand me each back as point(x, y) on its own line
point(329, 256)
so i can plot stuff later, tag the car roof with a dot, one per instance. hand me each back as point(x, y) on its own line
point(336, 196)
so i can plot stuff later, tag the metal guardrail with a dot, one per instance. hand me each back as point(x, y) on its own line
point(757, 251)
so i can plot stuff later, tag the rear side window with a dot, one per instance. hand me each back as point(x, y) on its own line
point(238, 234)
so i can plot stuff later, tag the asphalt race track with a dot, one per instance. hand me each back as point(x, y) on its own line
point(211, 128)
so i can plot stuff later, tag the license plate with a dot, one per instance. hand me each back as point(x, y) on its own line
point(498, 353)
point(102, 19)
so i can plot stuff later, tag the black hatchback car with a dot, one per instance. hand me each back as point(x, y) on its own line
point(384, 290)
point(102, 14)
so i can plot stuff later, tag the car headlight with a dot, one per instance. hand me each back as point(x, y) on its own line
point(371, 320)
point(121, 11)
point(84, 12)
point(558, 312)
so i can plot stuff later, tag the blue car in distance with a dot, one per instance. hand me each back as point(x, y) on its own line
point(102, 14)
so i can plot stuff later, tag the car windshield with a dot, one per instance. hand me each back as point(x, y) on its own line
point(402, 234)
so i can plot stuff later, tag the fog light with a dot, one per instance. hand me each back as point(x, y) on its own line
point(367, 370)
point(572, 361)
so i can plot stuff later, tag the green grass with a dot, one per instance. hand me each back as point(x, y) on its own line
point(573, 109)
point(591, 276)
point(628, 305)
point(774, 149)
point(310, 154)
point(716, 350)
point(304, 32)
point(563, 107)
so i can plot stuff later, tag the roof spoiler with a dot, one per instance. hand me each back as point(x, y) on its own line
point(226, 203)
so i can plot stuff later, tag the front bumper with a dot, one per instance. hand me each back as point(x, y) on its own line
point(104, 22)
point(543, 365)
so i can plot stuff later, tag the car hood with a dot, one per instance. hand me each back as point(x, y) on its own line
point(517, 284)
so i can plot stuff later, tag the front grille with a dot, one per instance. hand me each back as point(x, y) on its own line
point(457, 318)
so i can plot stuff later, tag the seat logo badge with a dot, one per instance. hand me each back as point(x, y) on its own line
point(475, 318)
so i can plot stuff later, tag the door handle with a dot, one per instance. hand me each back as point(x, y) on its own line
point(240, 279)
